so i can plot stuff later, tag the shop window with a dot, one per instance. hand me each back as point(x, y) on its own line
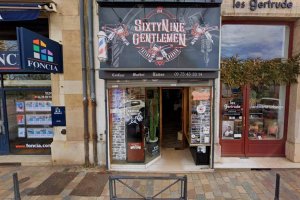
point(134, 124)
point(266, 112)
point(29, 121)
point(266, 106)
point(254, 41)
point(27, 80)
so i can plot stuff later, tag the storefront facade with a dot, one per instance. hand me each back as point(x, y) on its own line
point(249, 121)
point(260, 116)
point(27, 59)
point(143, 89)
point(26, 96)
point(155, 48)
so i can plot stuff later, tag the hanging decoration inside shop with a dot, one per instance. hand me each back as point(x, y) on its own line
point(159, 38)
point(267, 4)
point(236, 72)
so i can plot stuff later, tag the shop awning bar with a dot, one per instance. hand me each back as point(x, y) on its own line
point(45, 6)
point(162, 1)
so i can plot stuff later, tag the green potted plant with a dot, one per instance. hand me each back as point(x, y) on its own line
point(153, 147)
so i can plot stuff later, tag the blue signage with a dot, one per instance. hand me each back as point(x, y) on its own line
point(28, 12)
point(38, 53)
point(58, 114)
point(9, 60)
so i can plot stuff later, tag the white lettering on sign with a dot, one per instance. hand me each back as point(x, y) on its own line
point(135, 146)
point(8, 59)
point(41, 65)
point(257, 4)
point(156, 74)
point(173, 32)
point(117, 75)
point(138, 74)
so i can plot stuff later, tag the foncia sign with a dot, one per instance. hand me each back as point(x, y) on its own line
point(258, 4)
point(38, 53)
point(161, 38)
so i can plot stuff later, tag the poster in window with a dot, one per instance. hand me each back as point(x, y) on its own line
point(39, 119)
point(20, 106)
point(39, 133)
point(21, 132)
point(21, 119)
point(227, 129)
point(35, 106)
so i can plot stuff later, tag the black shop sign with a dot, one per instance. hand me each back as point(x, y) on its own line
point(161, 38)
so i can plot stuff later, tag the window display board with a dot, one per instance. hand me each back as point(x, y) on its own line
point(117, 113)
point(34, 119)
point(200, 116)
point(199, 134)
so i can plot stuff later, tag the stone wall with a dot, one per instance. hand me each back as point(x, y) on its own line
point(67, 87)
point(292, 148)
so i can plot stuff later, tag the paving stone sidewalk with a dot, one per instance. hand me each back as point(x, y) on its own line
point(220, 184)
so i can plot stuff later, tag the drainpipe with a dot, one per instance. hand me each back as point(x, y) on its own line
point(92, 80)
point(84, 87)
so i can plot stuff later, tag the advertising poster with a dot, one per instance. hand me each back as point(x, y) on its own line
point(39, 133)
point(21, 132)
point(21, 119)
point(20, 106)
point(200, 116)
point(36, 106)
point(227, 129)
point(39, 119)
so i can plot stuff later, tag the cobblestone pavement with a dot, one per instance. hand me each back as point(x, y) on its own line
point(220, 184)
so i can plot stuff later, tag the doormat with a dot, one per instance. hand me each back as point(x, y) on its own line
point(91, 185)
point(54, 184)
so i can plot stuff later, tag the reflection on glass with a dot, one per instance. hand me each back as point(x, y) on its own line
point(232, 112)
point(27, 80)
point(134, 118)
point(8, 45)
point(266, 112)
point(253, 41)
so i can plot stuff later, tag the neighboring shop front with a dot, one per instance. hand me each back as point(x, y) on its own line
point(254, 119)
point(160, 70)
point(25, 89)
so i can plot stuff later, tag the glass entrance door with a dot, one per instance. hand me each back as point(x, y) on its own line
point(253, 120)
point(266, 116)
point(232, 121)
point(4, 147)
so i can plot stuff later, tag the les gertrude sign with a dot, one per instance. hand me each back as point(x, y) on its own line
point(259, 4)
point(38, 53)
point(161, 38)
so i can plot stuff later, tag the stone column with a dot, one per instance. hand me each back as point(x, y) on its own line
point(292, 149)
point(64, 26)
